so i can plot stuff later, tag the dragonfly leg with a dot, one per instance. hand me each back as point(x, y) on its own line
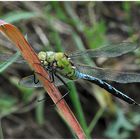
point(52, 75)
point(46, 67)
point(40, 100)
point(65, 86)
point(35, 79)
point(62, 97)
point(61, 80)
point(43, 76)
point(50, 70)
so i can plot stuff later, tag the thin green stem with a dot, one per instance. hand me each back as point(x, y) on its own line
point(95, 120)
point(1, 131)
point(77, 105)
point(40, 110)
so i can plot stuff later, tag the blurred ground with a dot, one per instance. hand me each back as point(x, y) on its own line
point(70, 26)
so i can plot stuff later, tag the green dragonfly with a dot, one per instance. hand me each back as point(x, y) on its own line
point(62, 68)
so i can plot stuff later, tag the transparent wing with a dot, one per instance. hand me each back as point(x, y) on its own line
point(111, 50)
point(5, 56)
point(29, 82)
point(111, 75)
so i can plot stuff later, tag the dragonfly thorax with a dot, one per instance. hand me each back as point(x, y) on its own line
point(58, 61)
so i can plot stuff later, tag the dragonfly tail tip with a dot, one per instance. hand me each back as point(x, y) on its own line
point(135, 103)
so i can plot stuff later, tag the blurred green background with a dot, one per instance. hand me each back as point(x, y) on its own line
point(69, 26)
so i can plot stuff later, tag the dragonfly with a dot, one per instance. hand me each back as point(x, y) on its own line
point(63, 68)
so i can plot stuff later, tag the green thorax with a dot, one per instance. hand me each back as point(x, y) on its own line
point(60, 61)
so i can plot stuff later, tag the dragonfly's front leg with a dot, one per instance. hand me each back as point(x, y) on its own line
point(49, 69)
point(51, 77)
point(35, 79)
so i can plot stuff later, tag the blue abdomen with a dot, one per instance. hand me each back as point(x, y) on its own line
point(106, 86)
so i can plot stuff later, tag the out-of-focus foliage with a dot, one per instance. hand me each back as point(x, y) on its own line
point(9, 61)
point(16, 16)
point(121, 127)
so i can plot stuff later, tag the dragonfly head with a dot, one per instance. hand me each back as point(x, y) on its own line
point(42, 57)
point(46, 57)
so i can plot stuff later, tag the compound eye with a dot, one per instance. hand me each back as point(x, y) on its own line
point(42, 55)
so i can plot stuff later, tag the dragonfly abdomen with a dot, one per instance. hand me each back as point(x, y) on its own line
point(107, 87)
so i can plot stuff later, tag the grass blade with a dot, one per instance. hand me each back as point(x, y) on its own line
point(9, 61)
point(77, 105)
point(15, 16)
